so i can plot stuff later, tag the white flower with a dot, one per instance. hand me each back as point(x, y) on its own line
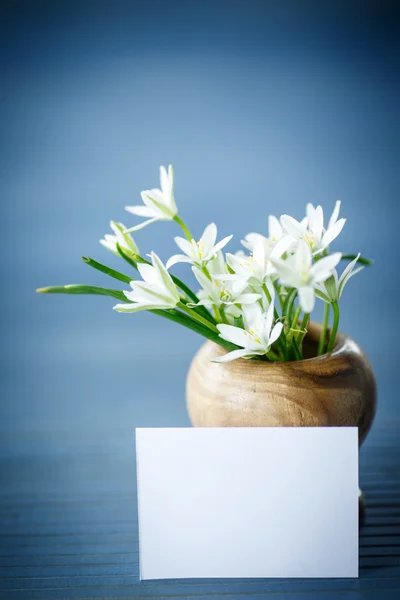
point(258, 336)
point(156, 291)
point(298, 271)
point(276, 234)
point(199, 253)
point(258, 267)
point(124, 240)
point(312, 230)
point(217, 265)
point(331, 290)
point(159, 204)
point(218, 292)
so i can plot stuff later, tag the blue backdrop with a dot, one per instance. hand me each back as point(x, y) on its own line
point(260, 106)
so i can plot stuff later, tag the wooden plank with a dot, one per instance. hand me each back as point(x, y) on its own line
point(133, 586)
point(115, 593)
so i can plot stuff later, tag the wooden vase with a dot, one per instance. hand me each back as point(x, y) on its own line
point(336, 389)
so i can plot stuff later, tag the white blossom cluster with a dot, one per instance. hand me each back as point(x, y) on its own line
point(256, 302)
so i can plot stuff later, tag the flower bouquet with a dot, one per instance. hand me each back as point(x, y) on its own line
point(255, 303)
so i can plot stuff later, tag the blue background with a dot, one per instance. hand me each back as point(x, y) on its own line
point(260, 106)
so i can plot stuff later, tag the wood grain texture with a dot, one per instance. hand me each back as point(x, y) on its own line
point(336, 389)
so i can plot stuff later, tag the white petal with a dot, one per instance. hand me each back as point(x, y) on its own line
point(148, 273)
point(335, 214)
point(316, 223)
point(269, 317)
point(117, 228)
point(292, 226)
point(144, 292)
point(141, 211)
point(164, 180)
point(205, 302)
point(159, 202)
point(221, 244)
point(164, 276)
point(209, 238)
point(275, 333)
point(231, 356)
point(250, 239)
point(332, 233)
point(252, 314)
point(304, 222)
point(217, 265)
point(247, 299)
point(349, 276)
point(310, 210)
point(286, 272)
point(259, 252)
point(171, 175)
point(226, 276)
point(303, 257)
point(270, 287)
point(205, 283)
point(185, 246)
point(275, 230)
point(236, 335)
point(322, 269)
point(178, 258)
point(282, 246)
point(110, 245)
point(137, 306)
point(233, 261)
point(307, 298)
point(141, 225)
point(349, 268)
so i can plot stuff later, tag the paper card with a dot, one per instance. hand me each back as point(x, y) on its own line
point(248, 502)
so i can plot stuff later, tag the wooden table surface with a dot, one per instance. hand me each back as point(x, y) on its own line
point(69, 526)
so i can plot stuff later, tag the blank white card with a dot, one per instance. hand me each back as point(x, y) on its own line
point(248, 502)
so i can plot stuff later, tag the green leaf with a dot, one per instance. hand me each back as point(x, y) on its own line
point(322, 296)
point(76, 288)
point(297, 353)
point(287, 305)
point(107, 270)
point(330, 286)
point(362, 261)
point(186, 321)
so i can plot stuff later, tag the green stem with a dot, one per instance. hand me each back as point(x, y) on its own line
point(184, 228)
point(297, 352)
point(295, 318)
point(322, 339)
point(281, 301)
point(288, 306)
point(224, 318)
point(269, 298)
point(219, 314)
point(335, 326)
point(111, 272)
point(303, 328)
point(194, 315)
point(273, 356)
point(204, 270)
